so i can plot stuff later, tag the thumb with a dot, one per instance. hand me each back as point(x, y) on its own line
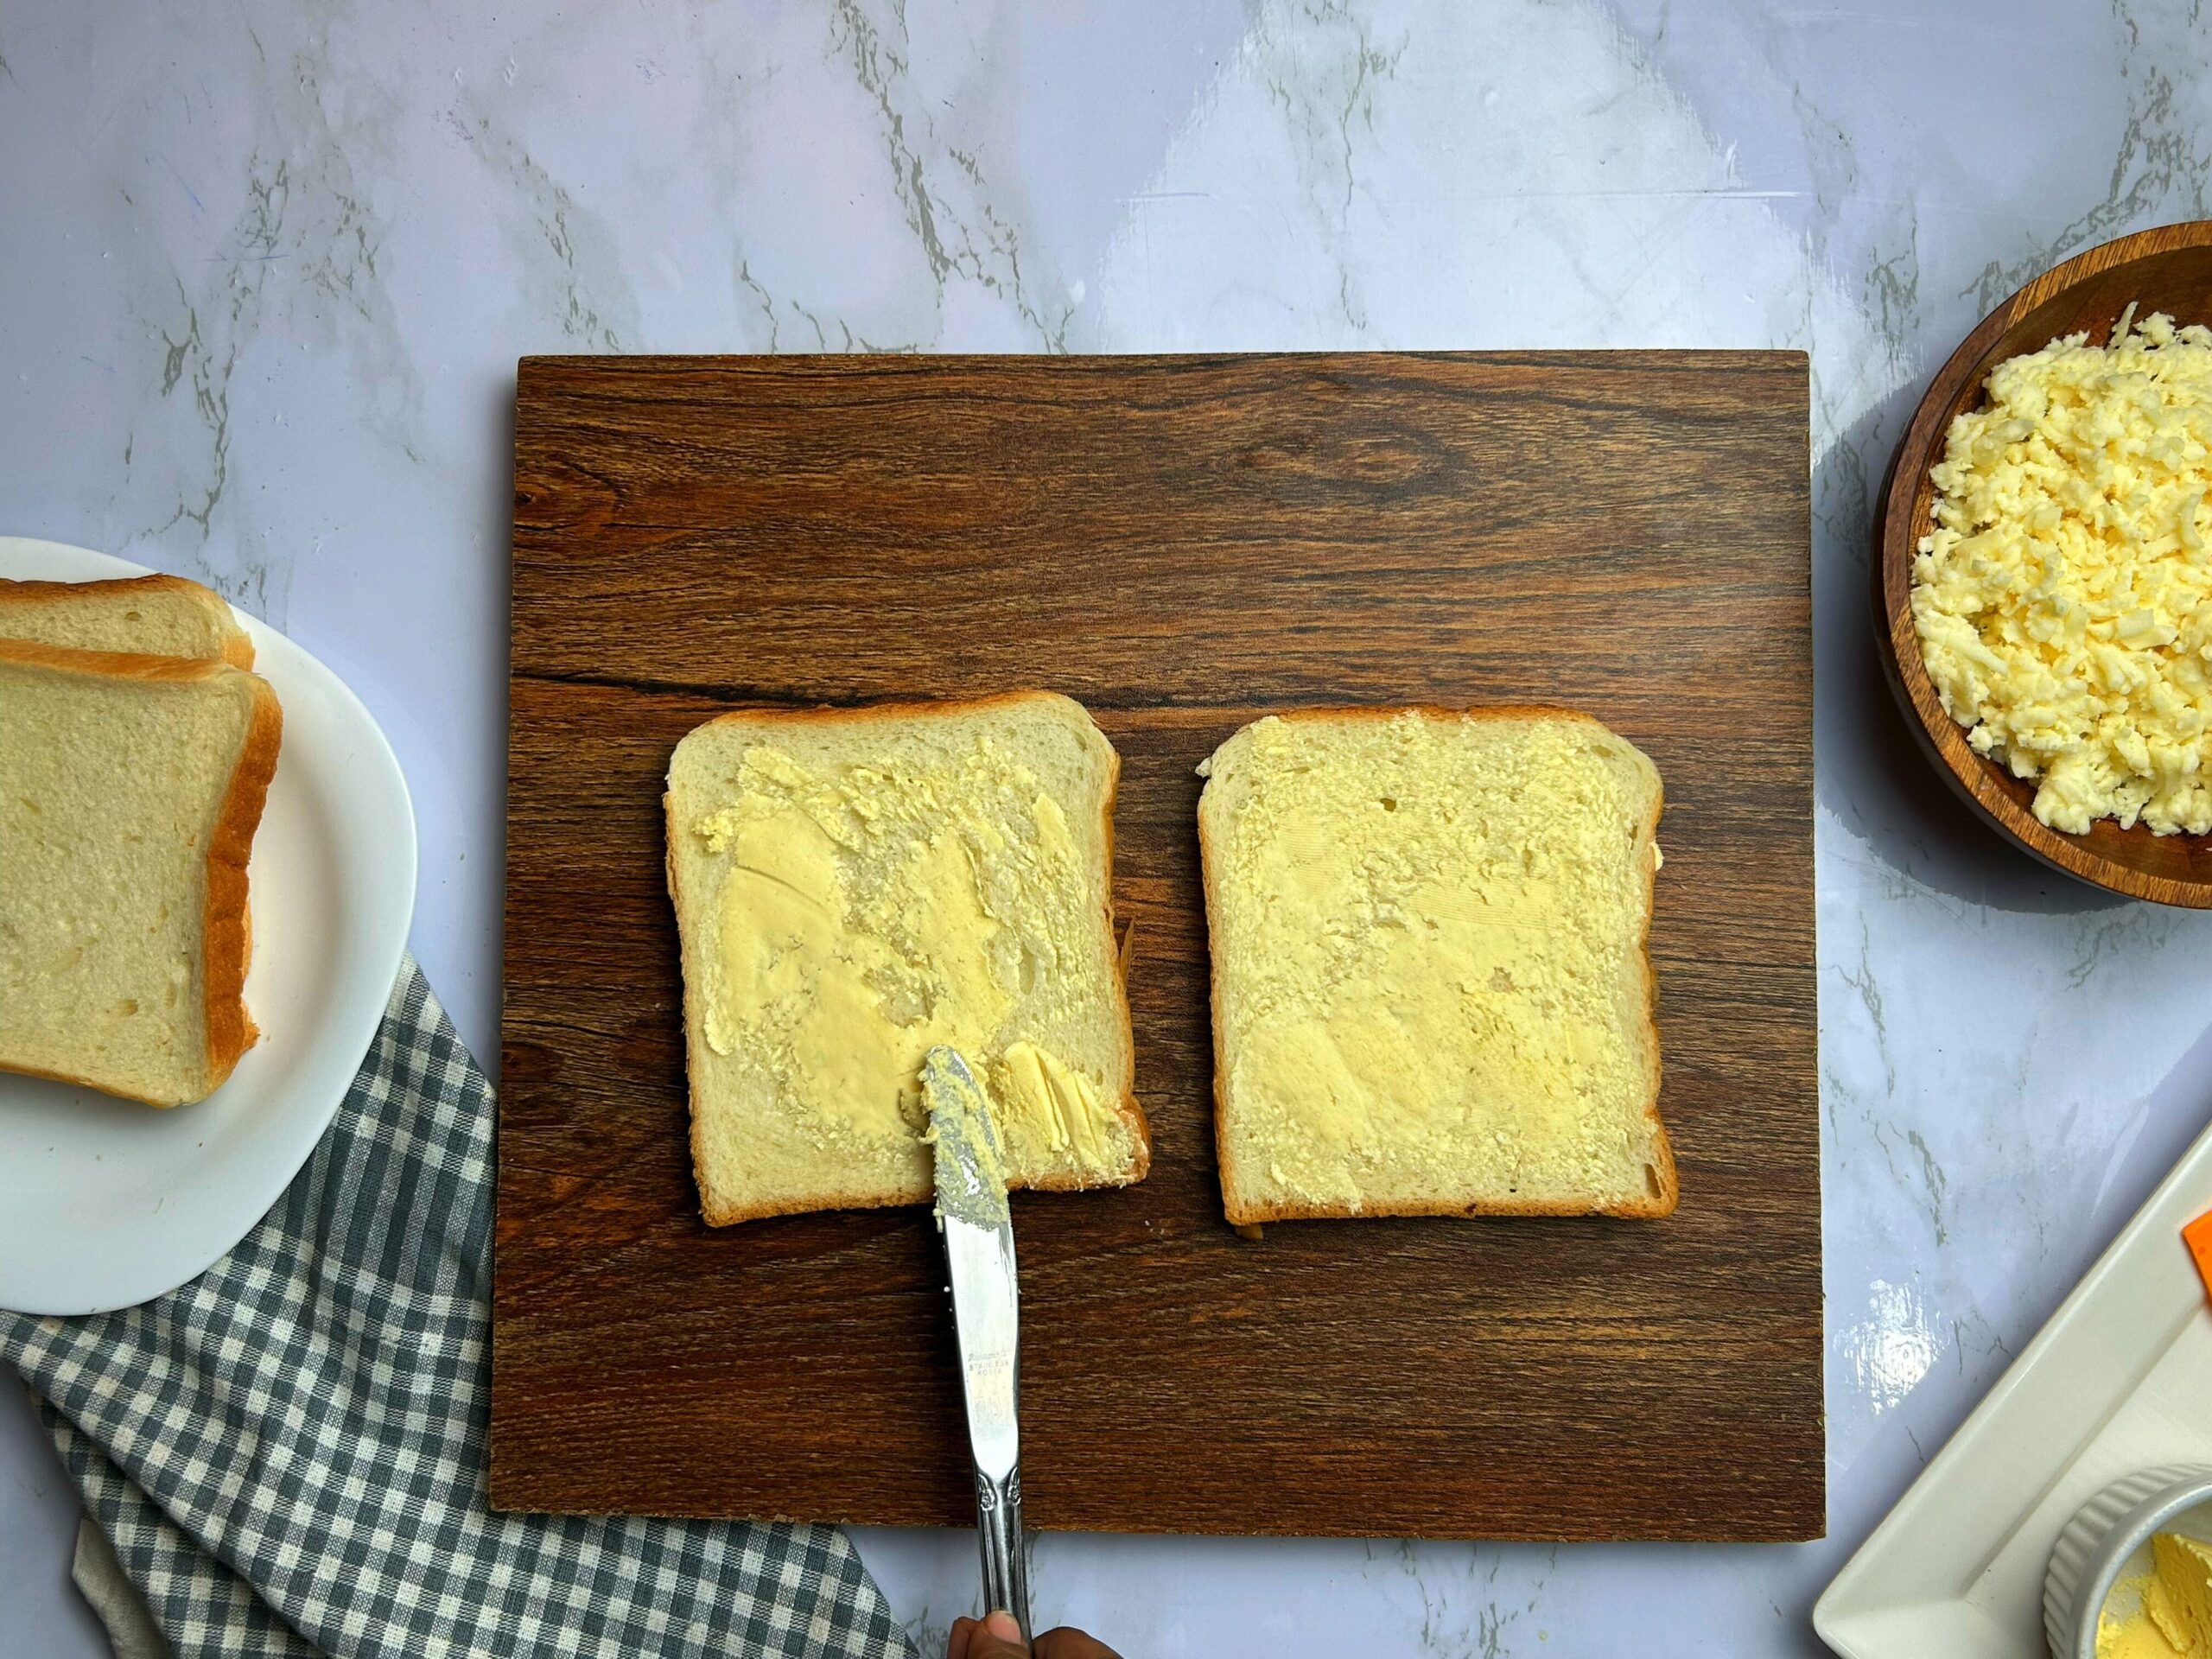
point(997, 1638)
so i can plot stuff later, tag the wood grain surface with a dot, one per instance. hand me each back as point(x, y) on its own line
point(2170, 270)
point(1183, 545)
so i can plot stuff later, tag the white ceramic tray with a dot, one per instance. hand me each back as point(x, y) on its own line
point(2119, 1380)
point(105, 1202)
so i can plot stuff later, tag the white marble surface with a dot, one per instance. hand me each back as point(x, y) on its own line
point(264, 271)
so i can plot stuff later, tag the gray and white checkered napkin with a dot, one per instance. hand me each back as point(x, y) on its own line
point(289, 1453)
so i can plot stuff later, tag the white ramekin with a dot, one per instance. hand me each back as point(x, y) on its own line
point(2098, 1541)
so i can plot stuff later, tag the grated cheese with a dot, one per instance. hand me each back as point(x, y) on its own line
point(2063, 599)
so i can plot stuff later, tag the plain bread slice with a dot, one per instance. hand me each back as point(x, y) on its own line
point(133, 785)
point(153, 615)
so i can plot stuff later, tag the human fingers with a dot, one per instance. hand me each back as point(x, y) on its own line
point(1066, 1643)
point(994, 1636)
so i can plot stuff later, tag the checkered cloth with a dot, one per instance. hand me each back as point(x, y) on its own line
point(289, 1453)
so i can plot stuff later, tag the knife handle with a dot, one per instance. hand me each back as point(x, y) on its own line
point(998, 1532)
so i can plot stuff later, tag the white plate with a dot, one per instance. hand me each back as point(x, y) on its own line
point(2119, 1380)
point(106, 1203)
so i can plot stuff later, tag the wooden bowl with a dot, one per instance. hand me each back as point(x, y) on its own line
point(2167, 269)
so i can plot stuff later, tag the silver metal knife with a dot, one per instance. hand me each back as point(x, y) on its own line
point(979, 1250)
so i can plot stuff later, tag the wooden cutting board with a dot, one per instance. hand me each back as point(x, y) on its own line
point(1183, 545)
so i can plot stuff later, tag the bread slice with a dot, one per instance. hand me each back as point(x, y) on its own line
point(155, 616)
point(853, 886)
point(1431, 993)
point(130, 790)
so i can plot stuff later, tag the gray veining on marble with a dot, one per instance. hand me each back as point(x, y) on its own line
point(263, 274)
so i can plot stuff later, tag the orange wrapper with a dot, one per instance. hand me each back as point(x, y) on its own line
point(2198, 1236)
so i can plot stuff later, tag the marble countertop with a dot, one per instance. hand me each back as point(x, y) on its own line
point(264, 273)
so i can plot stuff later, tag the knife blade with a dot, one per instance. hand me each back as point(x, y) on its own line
point(978, 1228)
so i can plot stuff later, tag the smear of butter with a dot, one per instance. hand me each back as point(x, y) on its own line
point(2180, 1603)
point(971, 1169)
point(866, 915)
point(2136, 1635)
point(1045, 1103)
point(2166, 1613)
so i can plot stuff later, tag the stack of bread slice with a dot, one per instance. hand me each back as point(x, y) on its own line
point(137, 747)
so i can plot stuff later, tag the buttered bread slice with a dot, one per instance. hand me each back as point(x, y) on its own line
point(853, 887)
point(1431, 993)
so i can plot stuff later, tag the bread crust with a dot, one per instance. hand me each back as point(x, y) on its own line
point(1663, 1156)
point(229, 928)
point(238, 645)
point(226, 927)
point(694, 1017)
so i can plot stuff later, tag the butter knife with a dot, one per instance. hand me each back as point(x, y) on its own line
point(971, 1209)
